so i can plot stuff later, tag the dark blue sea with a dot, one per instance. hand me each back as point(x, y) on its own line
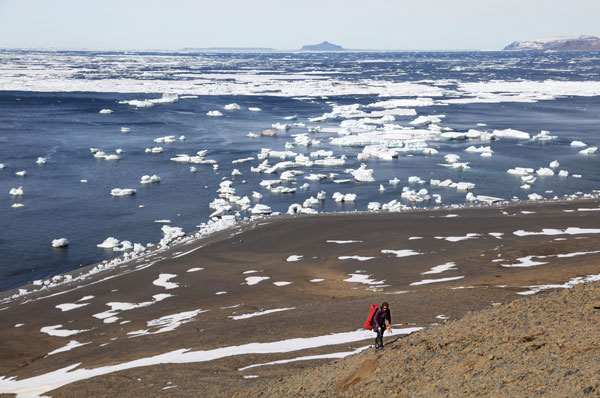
point(50, 106)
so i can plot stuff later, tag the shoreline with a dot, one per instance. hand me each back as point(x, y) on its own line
point(188, 238)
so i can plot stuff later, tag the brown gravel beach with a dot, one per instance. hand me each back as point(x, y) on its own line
point(278, 279)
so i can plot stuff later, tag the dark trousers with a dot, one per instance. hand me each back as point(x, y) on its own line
point(379, 338)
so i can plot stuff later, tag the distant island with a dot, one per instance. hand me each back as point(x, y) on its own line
point(325, 46)
point(560, 43)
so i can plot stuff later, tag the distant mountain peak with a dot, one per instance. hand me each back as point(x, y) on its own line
point(558, 43)
point(325, 46)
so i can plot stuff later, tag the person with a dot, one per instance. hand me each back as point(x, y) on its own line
point(382, 320)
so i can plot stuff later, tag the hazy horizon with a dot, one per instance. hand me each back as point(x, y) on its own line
point(431, 25)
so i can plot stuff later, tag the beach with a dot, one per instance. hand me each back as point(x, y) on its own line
point(295, 289)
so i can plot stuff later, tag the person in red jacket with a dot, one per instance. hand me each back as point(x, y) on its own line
point(382, 320)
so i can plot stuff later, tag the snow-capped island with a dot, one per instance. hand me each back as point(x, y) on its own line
point(558, 43)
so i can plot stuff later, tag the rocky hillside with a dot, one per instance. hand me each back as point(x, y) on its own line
point(544, 345)
point(564, 43)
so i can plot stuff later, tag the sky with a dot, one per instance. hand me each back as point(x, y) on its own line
point(287, 24)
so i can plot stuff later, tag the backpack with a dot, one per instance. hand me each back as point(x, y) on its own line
point(369, 321)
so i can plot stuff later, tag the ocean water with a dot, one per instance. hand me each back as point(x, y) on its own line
point(50, 103)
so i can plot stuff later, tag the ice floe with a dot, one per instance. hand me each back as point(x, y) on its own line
point(589, 151)
point(122, 191)
point(16, 191)
point(60, 242)
point(294, 258)
point(511, 133)
point(232, 107)
point(146, 179)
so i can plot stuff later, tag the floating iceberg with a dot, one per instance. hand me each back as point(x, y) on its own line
point(41, 160)
point(214, 113)
point(232, 107)
point(421, 120)
point(254, 109)
point(544, 136)
point(363, 174)
point(166, 139)
point(125, 129)
point(510, 133)
point(340, 197)
point(60, 242)
point(22, 173)
point(544, 171)
point(554, 164)
point(578, 143)
point(16, 191)
point(122, 192)
point(109, 243)
point(106, 111)
point(146, 179)
point(589, 151)
point(261, 209)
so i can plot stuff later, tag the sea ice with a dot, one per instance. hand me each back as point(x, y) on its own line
point(109, 243)
point(578, 143)
point(232, 107)
point(510, 133)
point(363, 174)
point(544, 171)
point(589, 151)
point(60, 242)
point(146, 179)
point(122, 192)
